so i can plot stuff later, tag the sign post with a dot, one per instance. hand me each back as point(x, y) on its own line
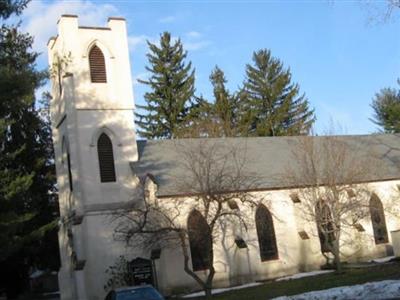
point(142, 271)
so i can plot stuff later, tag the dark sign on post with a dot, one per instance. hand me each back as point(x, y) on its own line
point(142, 271)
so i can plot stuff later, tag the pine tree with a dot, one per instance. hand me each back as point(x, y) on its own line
point(386, 106)
point(217, 118)
point(171, 82)
point(225, 104)
point(9, 7)
point(270, 103)
point(28, 205)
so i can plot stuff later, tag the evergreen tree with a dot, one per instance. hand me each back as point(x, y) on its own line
point(270, 103)
point(386, 106)
point(225, 105)
point(217, 118)
point(170, 100)
point(9, 7)
point(28, 205)
point(201, 121)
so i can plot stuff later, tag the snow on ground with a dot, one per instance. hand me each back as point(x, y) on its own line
point(36, 274)
point(383, 259)
point(218, 291)
point(387, 289)
point(306, 274)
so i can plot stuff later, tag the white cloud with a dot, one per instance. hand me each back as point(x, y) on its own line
point(193, 34)
point(193, 46)
point(40, 17)
point(168, 19)
point(136, 41)
point(194, 41)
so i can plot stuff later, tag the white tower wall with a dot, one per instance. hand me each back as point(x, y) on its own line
point(80, 113)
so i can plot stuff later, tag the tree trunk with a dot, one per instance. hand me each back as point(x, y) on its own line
point(336, 259)
point(209, 282)
point(208, 290)
point(185, 252)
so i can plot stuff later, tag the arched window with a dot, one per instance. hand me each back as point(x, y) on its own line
point(66, 156)
point(200, 241)
point(106, 158)
point(97, 65)
point(71, 186)
point(378, 220)
point(266, 234)
point(325, 227)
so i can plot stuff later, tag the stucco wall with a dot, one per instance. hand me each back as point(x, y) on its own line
point(236, 266)
point(82, 112)
point(233, 265)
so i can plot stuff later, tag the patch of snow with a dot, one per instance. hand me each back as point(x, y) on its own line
point(36, 274)
point(387, 289)
point(222, 290)
point(305, 274)
point(383, 259)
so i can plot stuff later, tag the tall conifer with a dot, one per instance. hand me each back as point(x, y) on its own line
point(225, 105)
point(217, 118)
point(171, 82)
point(271, 104)
point(28, 204)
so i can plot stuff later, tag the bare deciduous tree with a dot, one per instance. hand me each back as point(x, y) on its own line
point(58, 67)
point(332, 177)
point(381, 11)
point(214, 178)
point(392, 5)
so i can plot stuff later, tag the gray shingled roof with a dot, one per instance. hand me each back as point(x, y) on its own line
point(267, 156)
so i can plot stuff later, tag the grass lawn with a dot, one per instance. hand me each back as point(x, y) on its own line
point(296, 286)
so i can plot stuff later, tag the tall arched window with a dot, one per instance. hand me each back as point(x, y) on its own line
point(266, 234)
point(106, 158)
point(325, 227)
point(97, 65)
point(200, 241)
point(67, 159)
point(378, 220)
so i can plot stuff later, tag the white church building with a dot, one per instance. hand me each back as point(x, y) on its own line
point(99, 162)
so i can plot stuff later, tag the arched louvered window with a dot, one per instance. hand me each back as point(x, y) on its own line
point(97, 65)
point(325, 227)
point(378, 220)
point(106, 158)
point(200, 241)
point(266, 234)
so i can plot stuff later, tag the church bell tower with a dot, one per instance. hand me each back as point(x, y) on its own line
point(94, 140)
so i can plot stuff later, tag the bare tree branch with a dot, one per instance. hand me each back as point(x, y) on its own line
point(334, 193)
point(214, 174)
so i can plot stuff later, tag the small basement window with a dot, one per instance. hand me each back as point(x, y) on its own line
point(240, 243)
point(359, 227)
point(233, 205)
point(351, 193)
point(303, 235)
point(155, 253)
point(295, 198)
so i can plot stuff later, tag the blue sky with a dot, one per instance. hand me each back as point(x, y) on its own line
point(338, 56)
